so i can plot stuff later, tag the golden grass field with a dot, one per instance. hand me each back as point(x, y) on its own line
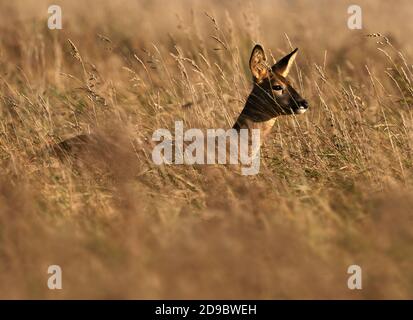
point(335, 184)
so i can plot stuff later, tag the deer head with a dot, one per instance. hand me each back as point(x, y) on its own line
point(272, 94)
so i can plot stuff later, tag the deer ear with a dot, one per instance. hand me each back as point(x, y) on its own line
point(284, 65)
point(258, 64)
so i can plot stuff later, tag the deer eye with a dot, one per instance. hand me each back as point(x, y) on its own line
point(277, 87)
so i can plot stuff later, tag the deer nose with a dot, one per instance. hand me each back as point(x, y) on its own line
point(303, 104)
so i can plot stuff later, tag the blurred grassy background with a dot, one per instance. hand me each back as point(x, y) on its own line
point(335, 186)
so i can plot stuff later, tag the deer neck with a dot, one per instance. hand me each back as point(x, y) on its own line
point(254, 117)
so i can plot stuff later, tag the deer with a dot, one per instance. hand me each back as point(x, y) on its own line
point(271, 96)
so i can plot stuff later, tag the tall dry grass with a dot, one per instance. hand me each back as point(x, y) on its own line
point(335, 185)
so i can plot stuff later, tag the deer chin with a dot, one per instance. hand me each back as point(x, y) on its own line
point(300, 110)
